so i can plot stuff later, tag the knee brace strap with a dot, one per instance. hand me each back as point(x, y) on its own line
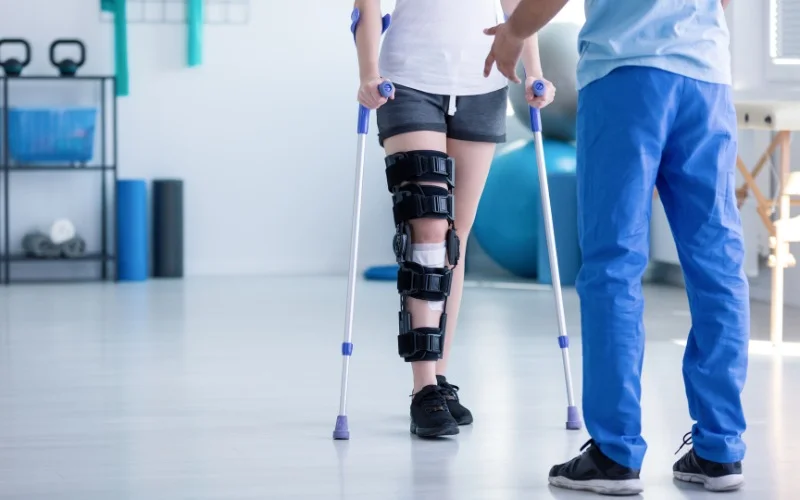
point(422, 344)
point(415, 166)
point(423, 283)
point(414, 201)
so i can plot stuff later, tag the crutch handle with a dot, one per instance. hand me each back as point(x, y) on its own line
point(539, 88)
point(385, 88)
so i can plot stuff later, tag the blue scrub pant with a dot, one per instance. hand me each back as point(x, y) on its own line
point(638, 128)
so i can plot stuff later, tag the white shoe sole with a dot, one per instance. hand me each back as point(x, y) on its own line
point(601, 486)
point(724, 483)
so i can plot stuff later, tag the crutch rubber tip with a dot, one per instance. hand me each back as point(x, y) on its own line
point(341, 431)
point(573, 419)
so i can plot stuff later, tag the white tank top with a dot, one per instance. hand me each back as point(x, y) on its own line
point(438, 46)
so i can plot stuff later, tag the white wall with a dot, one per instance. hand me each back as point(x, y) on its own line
point(263, 134)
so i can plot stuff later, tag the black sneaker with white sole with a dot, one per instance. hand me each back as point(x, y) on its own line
point(430, 416)
point(595, 472)
point(714, 476)
point(460, 412)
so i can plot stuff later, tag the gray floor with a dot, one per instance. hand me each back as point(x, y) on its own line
point(228, 389)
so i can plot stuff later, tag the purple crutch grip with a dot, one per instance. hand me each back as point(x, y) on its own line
point(539, 89)
point(385, 88)
point(563, 341)
point(347, 348)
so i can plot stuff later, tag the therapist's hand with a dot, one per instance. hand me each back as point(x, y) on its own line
point(505, 52)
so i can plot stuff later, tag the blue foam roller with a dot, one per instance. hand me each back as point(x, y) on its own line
point(132, 230)
point(564, 202)
point(382, 273)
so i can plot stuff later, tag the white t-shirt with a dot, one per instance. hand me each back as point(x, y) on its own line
point(438, 46)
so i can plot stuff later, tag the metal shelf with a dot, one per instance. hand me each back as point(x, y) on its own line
point(89, 256)
point(58, 168)
point(107, 168)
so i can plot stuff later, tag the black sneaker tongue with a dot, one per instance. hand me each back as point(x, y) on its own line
point(441, 380)
point(426, 393)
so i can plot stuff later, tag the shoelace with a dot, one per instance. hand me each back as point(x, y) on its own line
point(433, 400)
point(687, 441)
point(450, 390)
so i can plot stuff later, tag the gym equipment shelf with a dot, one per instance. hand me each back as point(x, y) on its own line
point(53, 168)
point(104, 142)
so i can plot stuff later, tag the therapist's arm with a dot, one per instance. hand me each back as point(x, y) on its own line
point(530, 52)
point(532, 15)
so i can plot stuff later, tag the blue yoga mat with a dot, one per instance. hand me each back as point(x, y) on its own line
point(132, 248)
point(382, 273)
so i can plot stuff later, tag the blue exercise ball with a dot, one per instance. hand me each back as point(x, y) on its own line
point(506, 225)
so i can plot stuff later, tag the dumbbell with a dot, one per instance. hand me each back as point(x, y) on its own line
point(67, 67)
point(13, 66)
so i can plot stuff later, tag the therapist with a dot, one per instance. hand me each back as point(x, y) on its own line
point(655, 109)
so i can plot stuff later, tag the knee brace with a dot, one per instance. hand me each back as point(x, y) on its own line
point(423, 277)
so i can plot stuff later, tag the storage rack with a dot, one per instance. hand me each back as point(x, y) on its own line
point(105, 257)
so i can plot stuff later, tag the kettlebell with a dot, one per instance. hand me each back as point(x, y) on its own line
point(67, 67)
point(13, 66)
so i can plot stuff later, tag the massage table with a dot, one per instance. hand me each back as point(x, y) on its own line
point(781, 118)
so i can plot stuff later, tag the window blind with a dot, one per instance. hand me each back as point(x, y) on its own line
point(785, 31)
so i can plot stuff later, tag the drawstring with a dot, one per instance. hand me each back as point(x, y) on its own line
point(451, 106)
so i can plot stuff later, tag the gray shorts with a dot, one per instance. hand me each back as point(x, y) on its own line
point(478, 118)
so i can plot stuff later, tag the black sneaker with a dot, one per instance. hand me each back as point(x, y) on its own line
point(595, 472)
point(430, 416)
point(462, 415)
point(712, 475)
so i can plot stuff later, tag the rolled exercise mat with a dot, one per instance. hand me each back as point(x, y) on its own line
point(37, 244)
point(73, 248)
point(167, 228)
point(62, 231)
point(131, 230)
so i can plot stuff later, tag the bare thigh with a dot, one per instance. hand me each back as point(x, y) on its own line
point(473, 160)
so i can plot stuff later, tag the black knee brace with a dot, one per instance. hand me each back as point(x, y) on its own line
point(415, 201)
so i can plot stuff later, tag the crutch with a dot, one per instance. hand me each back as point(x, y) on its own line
point(573, 417)
point(341, 430)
